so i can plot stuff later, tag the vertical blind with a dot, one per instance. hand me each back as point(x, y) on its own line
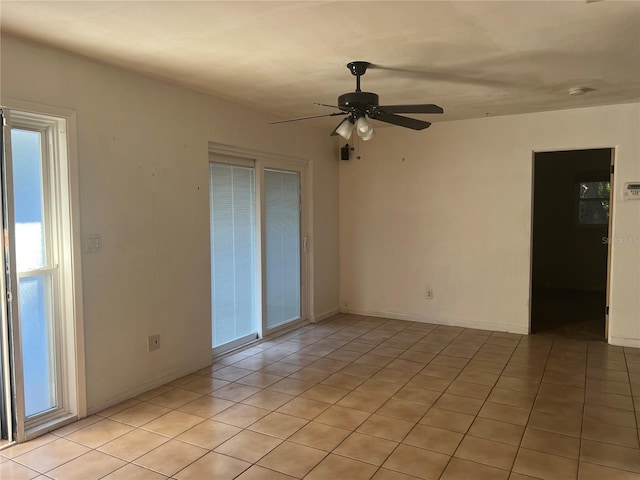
point(282, 229)
point(233, 252)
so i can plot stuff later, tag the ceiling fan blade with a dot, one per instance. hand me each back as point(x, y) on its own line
point(307, 118)
point(406, 122)
point(460, 76)
point(325, 105)
point(424, 108)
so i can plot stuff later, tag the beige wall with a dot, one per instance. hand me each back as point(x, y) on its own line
point(450, 208)
point(143, 167)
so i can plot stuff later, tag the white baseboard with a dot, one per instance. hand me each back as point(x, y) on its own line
point(148, 385)
point(323, 316)
point(624, 341)
point(457, 322)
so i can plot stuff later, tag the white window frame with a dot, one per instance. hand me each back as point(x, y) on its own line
point(591, 177)
point(53, 245)
point(262, 161)
point(60, 178)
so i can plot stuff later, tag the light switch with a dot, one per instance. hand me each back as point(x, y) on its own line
point(93, 243)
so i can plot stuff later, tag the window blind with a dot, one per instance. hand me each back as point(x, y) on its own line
point(233, 252)
point(282, 229)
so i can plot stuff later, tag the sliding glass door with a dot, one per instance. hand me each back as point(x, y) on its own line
point(257, 247)
point(282, 246)
point(233, 254)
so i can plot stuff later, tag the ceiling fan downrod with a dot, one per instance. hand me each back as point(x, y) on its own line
point(358, 69)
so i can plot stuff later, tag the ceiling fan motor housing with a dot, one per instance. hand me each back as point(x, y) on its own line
point(358, 101)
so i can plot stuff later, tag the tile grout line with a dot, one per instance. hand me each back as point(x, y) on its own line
point(379, 467)
point(440, 396)
point(584, 404)
point(636, 412)
point(487, 399)
point(308, 420)
point(467, 430)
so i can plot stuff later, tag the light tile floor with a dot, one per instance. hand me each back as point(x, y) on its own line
point(368, 398)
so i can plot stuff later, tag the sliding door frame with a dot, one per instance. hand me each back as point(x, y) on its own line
point(262, 161)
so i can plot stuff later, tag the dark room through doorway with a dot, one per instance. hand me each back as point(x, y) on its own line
point(570, 252)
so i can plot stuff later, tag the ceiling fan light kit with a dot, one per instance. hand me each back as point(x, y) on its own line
point(345, 129)
point(365, 129)
point(369, 135)
point(361, 106)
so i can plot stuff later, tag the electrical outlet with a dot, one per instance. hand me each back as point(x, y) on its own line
point(153, 343)
point(429, 294)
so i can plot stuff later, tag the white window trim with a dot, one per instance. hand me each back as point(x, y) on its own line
point(267, 160)
point(64, 146)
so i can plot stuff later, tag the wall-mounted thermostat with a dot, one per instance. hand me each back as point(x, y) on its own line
point(631, 191)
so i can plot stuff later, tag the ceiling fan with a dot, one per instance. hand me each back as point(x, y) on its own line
point(361, 106)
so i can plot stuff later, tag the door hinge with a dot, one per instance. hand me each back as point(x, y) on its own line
point(9, 297)
point(607, 309)
point(612, 169)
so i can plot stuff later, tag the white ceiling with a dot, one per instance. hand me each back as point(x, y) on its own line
point(471, 58)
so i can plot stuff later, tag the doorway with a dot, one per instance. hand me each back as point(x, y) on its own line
point(570, 251)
